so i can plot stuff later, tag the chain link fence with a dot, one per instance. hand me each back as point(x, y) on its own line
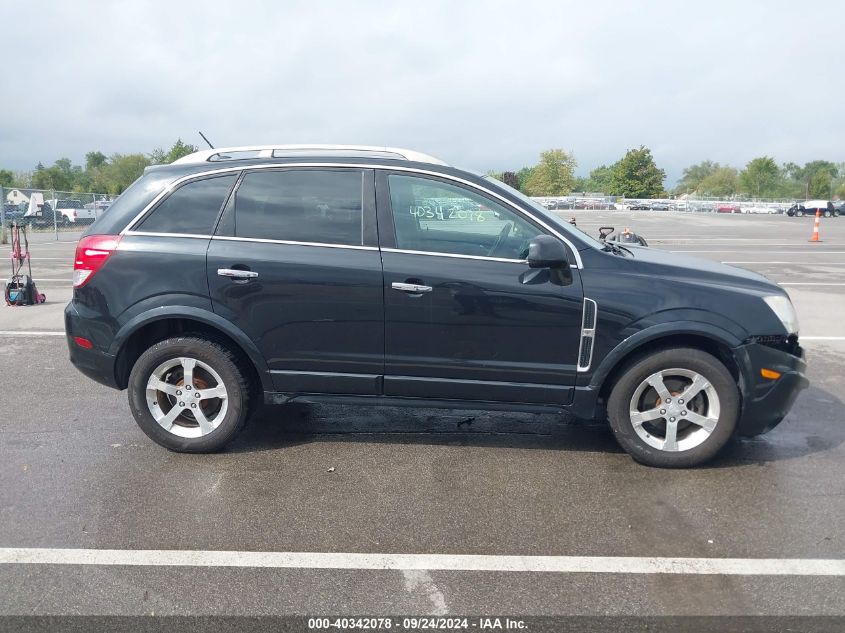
point(48, 210)
point(599, 202)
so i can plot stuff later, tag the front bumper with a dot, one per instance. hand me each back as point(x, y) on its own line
point(766, 402)
point(97, 365)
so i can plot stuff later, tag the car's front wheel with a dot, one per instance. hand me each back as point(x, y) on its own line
point(189, 394)
point(675, 408)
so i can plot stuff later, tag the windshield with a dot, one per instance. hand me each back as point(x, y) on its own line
point(553, 219)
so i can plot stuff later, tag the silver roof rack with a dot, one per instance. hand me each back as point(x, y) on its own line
point(274, 151)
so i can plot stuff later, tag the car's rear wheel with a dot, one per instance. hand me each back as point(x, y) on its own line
point(799, 214)
point(675, 408)
point(189, 394)
point(827, 214)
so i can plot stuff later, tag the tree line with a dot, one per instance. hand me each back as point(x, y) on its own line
point(100, 174)
point(636, 175)
point(762, 177)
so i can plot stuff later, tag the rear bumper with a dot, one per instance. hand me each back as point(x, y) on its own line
point(95, 364)
point(766, 402)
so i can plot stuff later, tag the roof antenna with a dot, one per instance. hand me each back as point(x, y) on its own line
point(206, 140)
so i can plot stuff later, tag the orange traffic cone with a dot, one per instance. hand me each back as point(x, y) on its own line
point(815, 237)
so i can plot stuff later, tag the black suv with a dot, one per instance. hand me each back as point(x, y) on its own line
point(356, 275)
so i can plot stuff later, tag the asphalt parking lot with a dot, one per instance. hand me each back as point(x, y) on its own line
point(387, 483)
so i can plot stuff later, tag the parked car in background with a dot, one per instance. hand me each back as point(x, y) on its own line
point(640, 206)
point(659, 206)
point(825, 207)
point(38, 213)
point(42, 218)
point(728, 208)
point(810, 207)
point(72, 212)
point(704, 207)
point(99, 206)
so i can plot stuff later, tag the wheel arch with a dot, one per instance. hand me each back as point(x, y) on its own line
point(715, 342)
point(146, 330)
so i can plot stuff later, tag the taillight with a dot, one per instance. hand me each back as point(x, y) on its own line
point(91, 253)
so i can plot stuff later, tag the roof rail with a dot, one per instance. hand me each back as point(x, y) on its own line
point(269, 151)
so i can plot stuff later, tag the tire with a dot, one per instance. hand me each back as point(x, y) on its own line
point(715, 404)
point(214, 366)
point(827, 214)
point(799, 214)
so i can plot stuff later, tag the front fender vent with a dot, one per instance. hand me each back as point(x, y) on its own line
point(588, 333)
point(589, 320)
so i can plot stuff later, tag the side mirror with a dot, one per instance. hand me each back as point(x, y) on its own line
point(545, 251)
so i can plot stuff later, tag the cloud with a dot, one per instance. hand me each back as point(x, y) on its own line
point(481, 84)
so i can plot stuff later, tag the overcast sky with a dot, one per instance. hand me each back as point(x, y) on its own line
point(483, 85)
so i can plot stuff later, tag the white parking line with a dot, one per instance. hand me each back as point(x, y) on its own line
point(809, 283)
point(786, 262)
point(759, 244)
point(746, 251)
point(765, 241)
point(31, 333)
point(821, 338)
point(51, 243)
point(429, 562)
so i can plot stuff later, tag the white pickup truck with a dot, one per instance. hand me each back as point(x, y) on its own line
point(72, 212)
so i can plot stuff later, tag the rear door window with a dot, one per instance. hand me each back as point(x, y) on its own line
point(313, 206)
point(191, 209)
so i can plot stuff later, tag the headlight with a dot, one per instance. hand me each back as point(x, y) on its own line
point(785, 311)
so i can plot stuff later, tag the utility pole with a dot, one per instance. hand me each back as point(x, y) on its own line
point(3, 238)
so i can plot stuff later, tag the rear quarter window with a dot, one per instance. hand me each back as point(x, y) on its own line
point(191, 209)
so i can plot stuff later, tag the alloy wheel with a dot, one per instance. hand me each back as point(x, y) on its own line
point(674, 409)
point(186, 397)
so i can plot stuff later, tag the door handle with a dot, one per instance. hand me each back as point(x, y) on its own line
point(410, 287)
point(237, 274)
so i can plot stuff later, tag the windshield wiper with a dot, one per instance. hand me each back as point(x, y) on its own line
point(617, 249)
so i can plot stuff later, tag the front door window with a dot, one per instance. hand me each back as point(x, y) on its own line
point(432, 216)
